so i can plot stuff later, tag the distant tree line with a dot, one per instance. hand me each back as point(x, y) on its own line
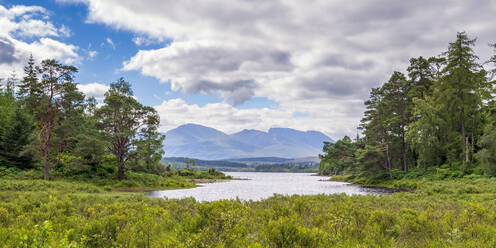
point(440, 115)
point(47, 123)
point(288, 167)
point(204, 163)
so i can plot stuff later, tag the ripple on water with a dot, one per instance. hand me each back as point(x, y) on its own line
point(263, 185)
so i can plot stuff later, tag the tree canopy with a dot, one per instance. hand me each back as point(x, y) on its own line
point(439, 115)
point(47, 122)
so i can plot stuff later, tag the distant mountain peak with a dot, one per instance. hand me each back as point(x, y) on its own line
point(193, 125)
point(249, 131)
point(202, 142)
point(190, 127)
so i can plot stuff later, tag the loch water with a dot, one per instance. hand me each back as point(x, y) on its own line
point(261, 185)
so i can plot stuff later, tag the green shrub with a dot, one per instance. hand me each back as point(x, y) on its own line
point(457, 212)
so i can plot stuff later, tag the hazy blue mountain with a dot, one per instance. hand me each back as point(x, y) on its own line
point(192, 133)
point(197, 141)
point(255, 137)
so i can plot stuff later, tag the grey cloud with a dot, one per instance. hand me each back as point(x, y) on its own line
point(382, 28)
point(212, 68)
point(209, 59)
point(227, 59)
point(335, 85)
point(237, 91)
point(7, 51)
point(292, 50)
point(338, 60)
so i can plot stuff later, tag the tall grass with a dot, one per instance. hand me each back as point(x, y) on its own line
point(448, 213)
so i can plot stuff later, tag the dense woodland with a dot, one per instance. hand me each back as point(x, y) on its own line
point(47, 125)
point(437, 117)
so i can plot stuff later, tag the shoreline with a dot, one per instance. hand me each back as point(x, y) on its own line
point(391, 188)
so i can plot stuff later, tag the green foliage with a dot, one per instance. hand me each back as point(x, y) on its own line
point(15, 133)
point(50, 124)
point(196, 174)
point(423, 134)
point(441, 114)
point(488, 143)
point(305, 167)
point(339, 157)
point(127, 124)
point(447, 213)
point(52, 96)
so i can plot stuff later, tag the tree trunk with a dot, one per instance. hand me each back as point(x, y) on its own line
point(403, 153)
point(473, 147)
point(46, 165)
point(466, 150)
point(121, 169)
point(465, 139)
point(389, 166)
point(45, 149)
point(462, 131)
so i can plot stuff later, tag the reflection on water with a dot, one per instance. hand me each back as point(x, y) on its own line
point(263, 185)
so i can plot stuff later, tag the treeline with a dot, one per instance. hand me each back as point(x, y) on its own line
point(192, 162)
point(46, 123)
point(440, 115)
point(303, 167)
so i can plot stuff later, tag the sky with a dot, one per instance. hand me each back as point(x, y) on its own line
point(245, 64)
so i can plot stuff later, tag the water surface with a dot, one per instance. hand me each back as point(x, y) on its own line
point(263, 185)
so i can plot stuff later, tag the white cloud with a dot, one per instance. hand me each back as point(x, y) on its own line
point(65, 31)
point(92, 54)
point(213, 67)
point(144, 41)
point(225, 117)
point(36, 28)
point(110, 42)
point(49, 48)
point(19, 10)
point(95, 90)
point(322, 54)
point(20, 22)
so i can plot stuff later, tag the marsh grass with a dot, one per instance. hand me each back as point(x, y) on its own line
point(438, 213)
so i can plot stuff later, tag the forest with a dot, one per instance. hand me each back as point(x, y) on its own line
point(50, 130)
point(437, 118)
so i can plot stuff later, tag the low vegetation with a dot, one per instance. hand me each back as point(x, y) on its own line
point(438, 213)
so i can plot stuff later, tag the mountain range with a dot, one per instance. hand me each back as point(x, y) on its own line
point(197, 141)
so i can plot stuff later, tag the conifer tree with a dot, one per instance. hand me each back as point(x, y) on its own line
point(47, 88)
point(121, 119)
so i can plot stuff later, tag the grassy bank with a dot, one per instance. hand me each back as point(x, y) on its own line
point(438, 213)
point(31, 181)
point(416, 178)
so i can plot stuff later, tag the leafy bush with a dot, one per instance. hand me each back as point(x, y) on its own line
point(447, 213)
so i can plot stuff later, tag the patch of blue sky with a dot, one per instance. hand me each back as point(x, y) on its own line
point(201, 99)
point(103, 50)
point(299, 115)
point(110, 47)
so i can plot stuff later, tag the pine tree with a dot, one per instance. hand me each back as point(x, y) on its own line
point(47, 88)
point(397, 110)
point(461, 89)
point(121, 118)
